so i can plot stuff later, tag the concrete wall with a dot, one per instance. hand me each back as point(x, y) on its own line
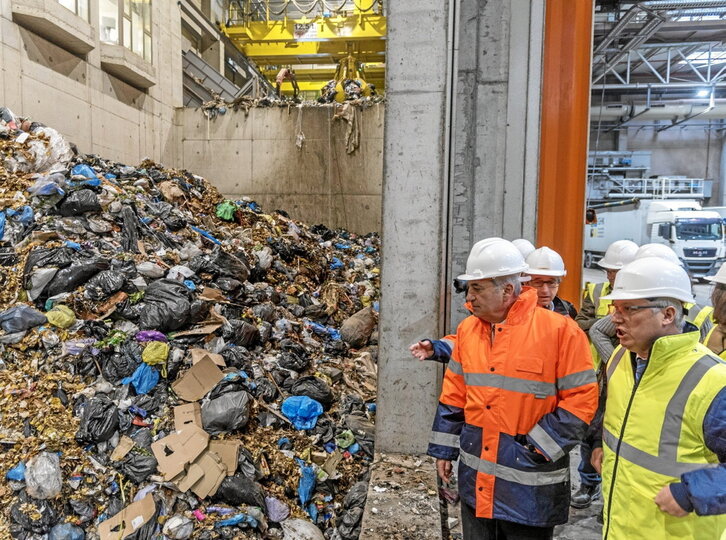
point(97, 111)
point(693, 152)
point(254, 154)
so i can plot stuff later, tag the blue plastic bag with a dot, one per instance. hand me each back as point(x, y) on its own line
point(45, 186)
point(66, 531)
point(17, 473)
point(337, 263)
point(205, 234)
point(306, 485)
point(2, 225)
point(144, 379)
point(236, 520)
point(83, 170)
point(323, 330)
point(302, 411)
point(24, 216)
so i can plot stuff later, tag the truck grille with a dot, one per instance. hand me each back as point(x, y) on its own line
point(700, 252)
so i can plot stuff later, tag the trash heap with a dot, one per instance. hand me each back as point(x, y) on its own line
point(175, 363)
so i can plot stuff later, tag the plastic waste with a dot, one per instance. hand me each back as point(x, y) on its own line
point(236, 490)
point(20, 318)
point(66, 531)
point(226, 210)
point(315, 388)
point(144, 379)
point(356, 330)
point(99, 420)
point(165, 306)
point(43, 478)
point(178, 528)
point(155, 353)
point(277, 510)
point(302, 411)
point(79, 202)
point(17, 473)
point(61, 316)
point(104, 284)
point(299, 529)
point(306, 484)
point(228, 412)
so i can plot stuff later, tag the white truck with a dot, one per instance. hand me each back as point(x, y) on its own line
point(694, 233)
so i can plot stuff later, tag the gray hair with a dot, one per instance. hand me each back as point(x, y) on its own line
point(663, 303)
point(513, 280)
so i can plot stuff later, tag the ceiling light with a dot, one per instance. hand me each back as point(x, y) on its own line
point(703, 92)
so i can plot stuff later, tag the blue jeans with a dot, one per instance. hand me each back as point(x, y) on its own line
point(588, 475)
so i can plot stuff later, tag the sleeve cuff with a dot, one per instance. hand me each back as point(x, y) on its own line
point(442, 351)
point(680, 494)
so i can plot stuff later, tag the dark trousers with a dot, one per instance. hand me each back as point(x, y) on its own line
point(497, 529)
point(588, 475)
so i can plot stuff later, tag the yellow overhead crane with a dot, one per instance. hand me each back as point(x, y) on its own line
point(314, 37)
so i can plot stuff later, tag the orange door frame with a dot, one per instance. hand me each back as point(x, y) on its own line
point(564, 134)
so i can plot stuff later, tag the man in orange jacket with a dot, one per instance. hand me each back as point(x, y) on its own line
point(518, 394)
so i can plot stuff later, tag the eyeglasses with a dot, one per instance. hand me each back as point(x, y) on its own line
point(538, 283)
point(628, 311)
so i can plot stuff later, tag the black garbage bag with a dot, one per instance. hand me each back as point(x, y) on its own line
point(220, 263)
point(104, 284)
point(290, 360)
point(246, 465)
point(324, 430)
point(296, 309)
point(73, 276)
point(356, 496)
point(130, 232)
point(8, 257)
point(352, 403)
point(292, 346)
point(323, 231)
point(265, 330)
point(20, 318)
point(83, 508)
point(228, 285)
point(349, 526)
point(228, 412)
point(79, 202)
point(31, 523)
point(236, 490)
point(198, 311)
point(317, 312)
point(138, 466)
point(239, 332)
point(265, 390)
point(166, 306)
point(237, 357)
point(227, 387)
point(85, 364)
point(265, 311)
point(143, 438)
point(99, 421)
point(123, 363)
point(315, 388)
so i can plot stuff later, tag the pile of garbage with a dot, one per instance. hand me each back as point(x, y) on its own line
point(173, 363)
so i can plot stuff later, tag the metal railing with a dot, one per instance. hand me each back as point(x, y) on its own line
point(244, 11)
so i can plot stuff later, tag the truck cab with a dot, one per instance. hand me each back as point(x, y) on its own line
point(696, 235)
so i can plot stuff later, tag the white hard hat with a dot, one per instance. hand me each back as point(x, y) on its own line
point(524, 246)
point(618, 254)
point(658, 250)
point(651, 277)
point(720, 276)
point(493, 257)
point(545, 262)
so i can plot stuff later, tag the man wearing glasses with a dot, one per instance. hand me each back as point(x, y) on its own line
point(663, 455)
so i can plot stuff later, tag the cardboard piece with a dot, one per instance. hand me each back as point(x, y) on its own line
point(228, 452)
point(174, 452)
point(213, 295)
point(129, 520)
point(200, 331)
point(185, 481)
point(198, 354)
point(198, 380)
point(189, 413)
point(214, 474)
point(124, 447)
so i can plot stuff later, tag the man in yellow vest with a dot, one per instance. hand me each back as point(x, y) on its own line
point(663, 455)
point(593, 308)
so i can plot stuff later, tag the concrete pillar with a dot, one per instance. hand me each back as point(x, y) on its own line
point(722, 171)
point(496, 155)
point(460, 164)
point(414, 185)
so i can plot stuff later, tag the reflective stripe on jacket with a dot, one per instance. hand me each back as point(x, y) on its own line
point(653, 433)
point(525, 381)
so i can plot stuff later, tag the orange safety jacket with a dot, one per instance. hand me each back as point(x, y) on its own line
point(509, 388)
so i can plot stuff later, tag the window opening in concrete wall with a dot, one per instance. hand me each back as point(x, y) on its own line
point(108, 20)
point(79, 7)
point(137, 27)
